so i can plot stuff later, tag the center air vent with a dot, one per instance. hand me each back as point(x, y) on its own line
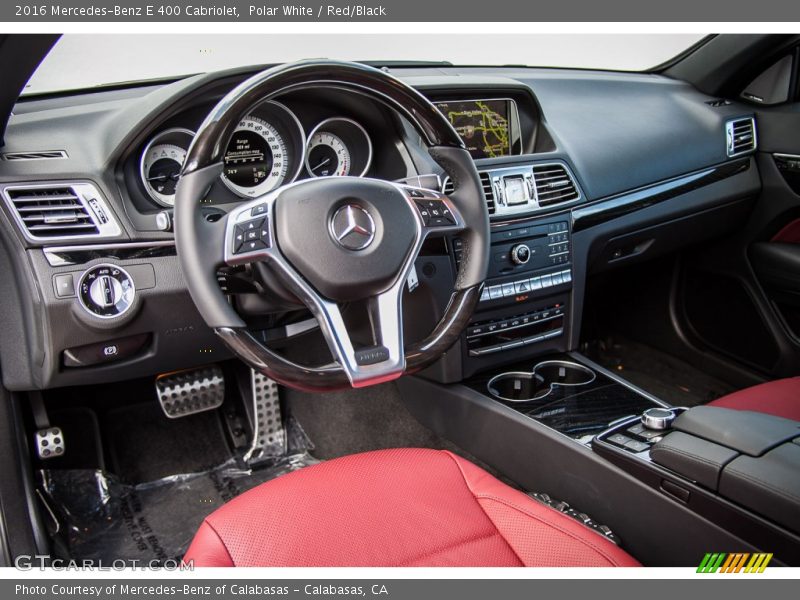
point(740, 136)
point(525, 188)
point(488, 191)
point(553, 185)
point(60, 211)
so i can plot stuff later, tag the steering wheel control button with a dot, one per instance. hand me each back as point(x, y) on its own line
point(371, 356)
point(110, 351)
point(259, 210)
point(352, 227)
point(658, 419)
point(106, 291)
point(520, 254)
point(435, 213)
point(251, 236)
point(64, 285)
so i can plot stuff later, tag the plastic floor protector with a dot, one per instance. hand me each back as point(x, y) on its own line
point(98, 517)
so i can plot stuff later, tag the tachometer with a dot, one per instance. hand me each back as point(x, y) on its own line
point(161, 164)
point(338, 147)
point(257, 158)
point(327, 155)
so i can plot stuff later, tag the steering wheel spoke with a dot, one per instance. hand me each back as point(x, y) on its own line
point(380, 358)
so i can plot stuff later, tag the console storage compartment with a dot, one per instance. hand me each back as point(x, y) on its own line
point(749, 458)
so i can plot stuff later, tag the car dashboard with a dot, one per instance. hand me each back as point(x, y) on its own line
point(582, 172)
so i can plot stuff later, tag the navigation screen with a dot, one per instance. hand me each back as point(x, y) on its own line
point(482, 124)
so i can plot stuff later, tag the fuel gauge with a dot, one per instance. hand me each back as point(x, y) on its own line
point(161, 164)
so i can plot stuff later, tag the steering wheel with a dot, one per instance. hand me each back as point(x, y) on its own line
point(333, 240)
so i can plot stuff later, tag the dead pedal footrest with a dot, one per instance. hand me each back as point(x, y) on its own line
point(189, 392)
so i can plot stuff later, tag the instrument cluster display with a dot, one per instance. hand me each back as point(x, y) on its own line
point(268, 149)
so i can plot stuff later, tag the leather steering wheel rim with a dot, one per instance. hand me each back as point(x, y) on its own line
point(198, 241)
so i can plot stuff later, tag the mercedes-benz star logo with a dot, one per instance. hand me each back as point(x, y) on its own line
point(352, 227)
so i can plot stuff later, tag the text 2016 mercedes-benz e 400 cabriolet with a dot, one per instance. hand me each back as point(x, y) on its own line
point(328, 313)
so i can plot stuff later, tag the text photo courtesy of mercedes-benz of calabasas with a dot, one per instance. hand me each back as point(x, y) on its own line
point(400, 313)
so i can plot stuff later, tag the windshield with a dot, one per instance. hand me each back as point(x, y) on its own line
point(84, 61)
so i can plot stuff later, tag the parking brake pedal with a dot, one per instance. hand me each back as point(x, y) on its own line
point(49, 439)
point(269, 435)
point(192, 391)
point(50, 442)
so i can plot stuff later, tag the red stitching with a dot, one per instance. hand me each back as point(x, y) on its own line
point(452, 457)
point(526, 512)
point(456, 545)
point(553, 525)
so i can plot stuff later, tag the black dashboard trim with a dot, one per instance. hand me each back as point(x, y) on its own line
point(60, 256)
point(607, 209)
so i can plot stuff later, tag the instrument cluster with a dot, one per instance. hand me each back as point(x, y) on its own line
point(269, 148)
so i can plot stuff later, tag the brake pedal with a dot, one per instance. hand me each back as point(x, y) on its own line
point(50, 442)
point(269, 435)
point(192, 391)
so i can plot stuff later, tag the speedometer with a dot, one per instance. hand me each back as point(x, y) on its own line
point(256, 159)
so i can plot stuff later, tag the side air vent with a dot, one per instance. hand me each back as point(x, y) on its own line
point(488, 190)
point(553, 185)
point(740, 136)
point(36, 155)
point(60, 211)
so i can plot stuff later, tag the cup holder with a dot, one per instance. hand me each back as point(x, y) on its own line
point(520, 386)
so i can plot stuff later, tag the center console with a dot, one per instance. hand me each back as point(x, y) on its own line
point(672, 483)
point(524, 306)
point(734, 467)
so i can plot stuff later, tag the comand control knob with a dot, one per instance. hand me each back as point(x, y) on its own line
point(520, 254)
point(106, 291)
point(658, 419)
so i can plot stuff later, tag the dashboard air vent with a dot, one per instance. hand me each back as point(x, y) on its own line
point(553, 185)
point(52, 212)
point(488, 191)
point(34, 155)
point(718, 102)
point(740, 136)
point(60, 211)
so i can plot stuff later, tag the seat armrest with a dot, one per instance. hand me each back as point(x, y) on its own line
point(747, 432)
point(769, 485)
point(693, 458)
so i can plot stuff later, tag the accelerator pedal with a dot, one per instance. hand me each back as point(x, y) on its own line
point(269, 435)
point(183, 393)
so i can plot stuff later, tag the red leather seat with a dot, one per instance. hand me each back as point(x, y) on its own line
point(405, 507)
point(780, 398)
